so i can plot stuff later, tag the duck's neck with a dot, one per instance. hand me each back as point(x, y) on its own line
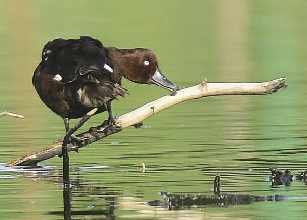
point(124, 63)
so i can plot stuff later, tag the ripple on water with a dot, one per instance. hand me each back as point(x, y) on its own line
point(26, 169)
point(90, 168)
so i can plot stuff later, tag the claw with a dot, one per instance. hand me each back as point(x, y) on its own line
point(138, 125)
point(111, 122)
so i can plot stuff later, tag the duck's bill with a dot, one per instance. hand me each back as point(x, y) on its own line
point(160, 80)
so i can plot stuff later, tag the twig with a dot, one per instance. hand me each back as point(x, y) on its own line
point(84, 119)
point(143, 168)
point(6, 113)
point(134, 117)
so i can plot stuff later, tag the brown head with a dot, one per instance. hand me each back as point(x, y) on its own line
point(141, 66)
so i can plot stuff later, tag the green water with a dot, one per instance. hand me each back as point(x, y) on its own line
point(183, 147)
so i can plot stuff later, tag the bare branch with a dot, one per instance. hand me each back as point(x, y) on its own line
point(202, 90)
point(5, 113)
point(136, 116)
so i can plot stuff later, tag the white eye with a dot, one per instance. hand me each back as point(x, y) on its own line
point(146, 62)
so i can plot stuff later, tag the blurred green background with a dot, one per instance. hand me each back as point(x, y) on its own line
point(183, 147)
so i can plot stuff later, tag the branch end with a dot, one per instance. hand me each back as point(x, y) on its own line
point(276, 85)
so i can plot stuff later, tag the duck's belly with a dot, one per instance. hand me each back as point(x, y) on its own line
point(80, 110)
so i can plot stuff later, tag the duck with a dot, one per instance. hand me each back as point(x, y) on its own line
point(75, 76)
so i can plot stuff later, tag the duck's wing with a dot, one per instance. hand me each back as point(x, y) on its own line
point(73, 59)
point(97, 96)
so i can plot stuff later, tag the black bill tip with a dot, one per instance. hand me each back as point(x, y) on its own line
point(161, 80)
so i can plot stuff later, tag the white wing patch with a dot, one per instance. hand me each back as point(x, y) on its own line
point(107, 67)
point(84, 99)
point(57, 77)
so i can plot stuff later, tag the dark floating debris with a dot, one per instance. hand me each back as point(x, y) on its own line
point(174, 201)
point(177, 201)
point(302, 176)
point(285, 177)
point(216, 185)
point(281, 177)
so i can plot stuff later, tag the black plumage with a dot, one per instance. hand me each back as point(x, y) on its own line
point(77, 75)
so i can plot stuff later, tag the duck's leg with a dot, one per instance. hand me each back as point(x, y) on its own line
point(65, 155)
point(72, 137)
point(66, 123)
point(111, 120)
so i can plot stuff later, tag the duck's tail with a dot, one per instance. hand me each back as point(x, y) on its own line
point(119, 90)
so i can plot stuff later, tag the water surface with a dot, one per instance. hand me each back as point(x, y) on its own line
point(237, 137)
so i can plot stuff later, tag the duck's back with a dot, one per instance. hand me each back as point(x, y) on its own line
point(73, 58)
point(71, 78)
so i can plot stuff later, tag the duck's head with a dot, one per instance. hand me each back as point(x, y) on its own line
point(141, 66)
